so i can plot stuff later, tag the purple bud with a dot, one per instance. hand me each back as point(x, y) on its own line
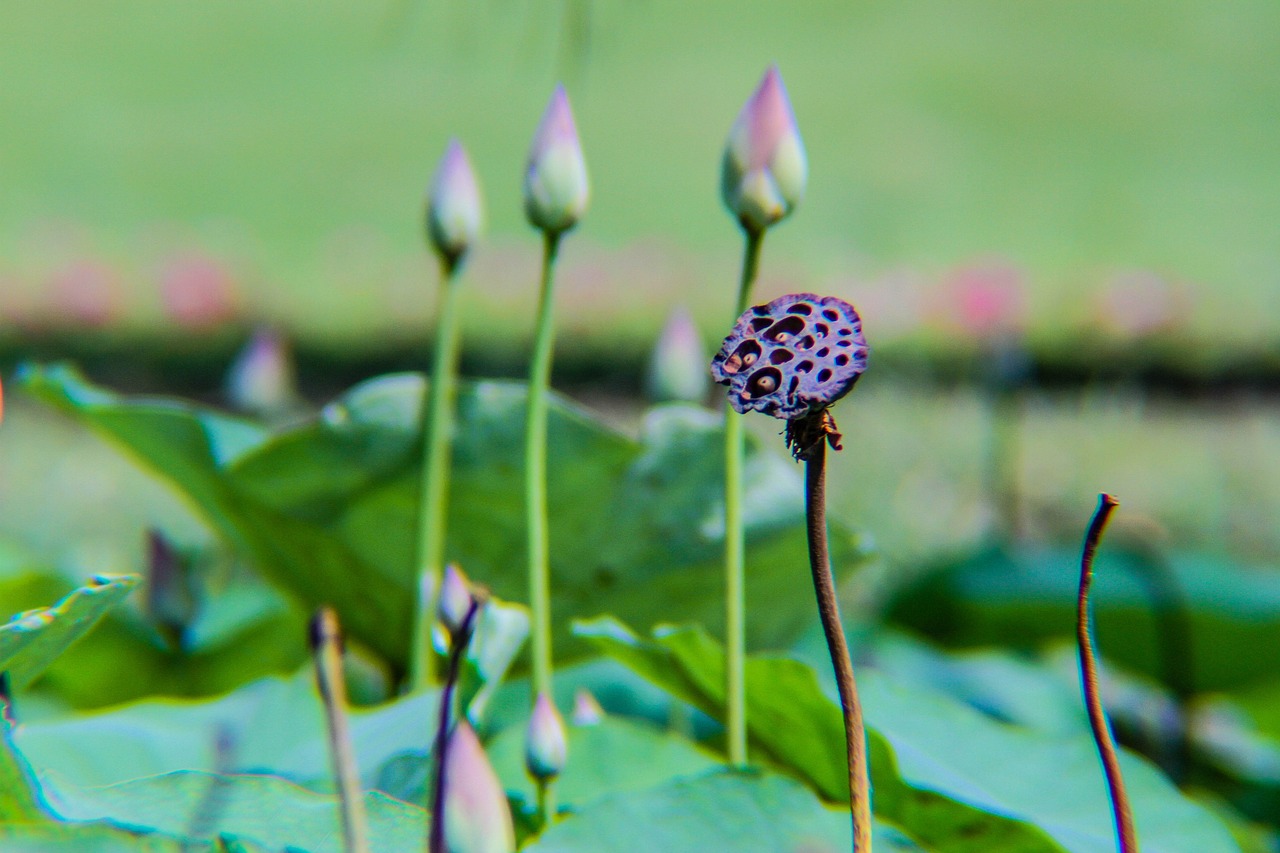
point(555, 182)
point(455, 212)
point(476, 816)
point(678, 367)
point(586, 710)
point(455, 598)
point(545, 748)
point(764, 169)
point(263, 379)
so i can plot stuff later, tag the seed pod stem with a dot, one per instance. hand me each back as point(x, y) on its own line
point(326, 645)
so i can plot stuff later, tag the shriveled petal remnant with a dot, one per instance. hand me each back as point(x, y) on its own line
point(555, 181)
point(798, 354)
point(764, 171)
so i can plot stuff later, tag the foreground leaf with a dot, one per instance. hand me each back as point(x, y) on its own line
point(734, 813)
point(199, 807)
point(31, 641)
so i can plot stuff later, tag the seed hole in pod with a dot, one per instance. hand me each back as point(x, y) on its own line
point(743, 357)
point(831, 314)
point(793, 385)
point(844, 331)
point(806, 342)
point(844, 343)
point(780, 356)
point(801, 308)
point(785, 329)
point(764, 382)
point(823, 353)
point(761, 310)
point(842, 360)
point(822, 329)
point(758, 323)
point(804, 366)
point(823, 375)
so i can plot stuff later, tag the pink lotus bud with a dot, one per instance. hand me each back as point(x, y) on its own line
point(263, 378)
point(555, 182)
point(476, 817)
point(586, 710)
point(199, 291)
point(678, 367)
point(545, 746)
point(764, 170)
point(455, 598)
point(455, 212)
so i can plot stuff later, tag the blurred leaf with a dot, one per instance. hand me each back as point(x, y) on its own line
point(194, 807)
point(33, 639)
point(614, 756)
point(1194, 622)
point(82, 838)
point(328, 510)
point(736, 813)
point(20, 800)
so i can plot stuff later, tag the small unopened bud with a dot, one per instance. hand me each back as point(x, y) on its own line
point(455, 598)
point(586, 709)
point(476, 816)
point(263, 379)
point(455, 212)
point(764, 169)
point(555, 181)
point(678, 367)
point(545, 746)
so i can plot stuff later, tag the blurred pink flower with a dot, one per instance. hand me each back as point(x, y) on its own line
point(198, 291)
point(986, 299)
point(85, 293)
point(1140, 303)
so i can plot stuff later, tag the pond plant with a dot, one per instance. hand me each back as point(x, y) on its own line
point(344, 516)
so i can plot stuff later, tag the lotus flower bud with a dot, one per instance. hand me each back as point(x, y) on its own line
point(545, 747)
point(678, 367)
point(476, 816)
point(586, 709)
point(455, 598)
point(263, 379)
point(764, 170)
point(555, 182)
point(455, 212)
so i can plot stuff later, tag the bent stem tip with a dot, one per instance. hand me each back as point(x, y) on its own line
point(1126, 836)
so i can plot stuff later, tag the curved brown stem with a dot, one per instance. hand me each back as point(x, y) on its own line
point(815, 457)
point(1126, 837)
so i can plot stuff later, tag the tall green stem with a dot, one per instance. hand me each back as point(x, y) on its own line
point(535, 454)
point(824, 587)
point(436, 444)
point(734, 539)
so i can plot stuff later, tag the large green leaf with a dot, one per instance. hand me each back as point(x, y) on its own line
point(730, 812)
point(32, 640)
point(937, 744)
point(1196, 622)
point(262, 810)
point(328, 510)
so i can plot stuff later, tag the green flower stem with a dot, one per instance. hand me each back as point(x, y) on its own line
point(436, 446)
point(824, 586)
point(535, 454)
point(734, 539)
point(1126, 836)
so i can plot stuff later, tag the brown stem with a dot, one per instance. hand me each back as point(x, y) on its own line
point(824, 586)
point(457, 647)
point(1126, 838)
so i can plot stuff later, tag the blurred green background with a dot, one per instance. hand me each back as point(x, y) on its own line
point(1101, 176)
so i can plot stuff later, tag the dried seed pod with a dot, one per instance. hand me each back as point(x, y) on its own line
point(796, 355)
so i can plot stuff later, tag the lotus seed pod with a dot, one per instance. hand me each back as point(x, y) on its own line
point(545, 747)
point(678, 366)
point(455, 598)
point(476, 816)
point(555, 181)
point(796, 355)
point(763, 174)
point(455, 212)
